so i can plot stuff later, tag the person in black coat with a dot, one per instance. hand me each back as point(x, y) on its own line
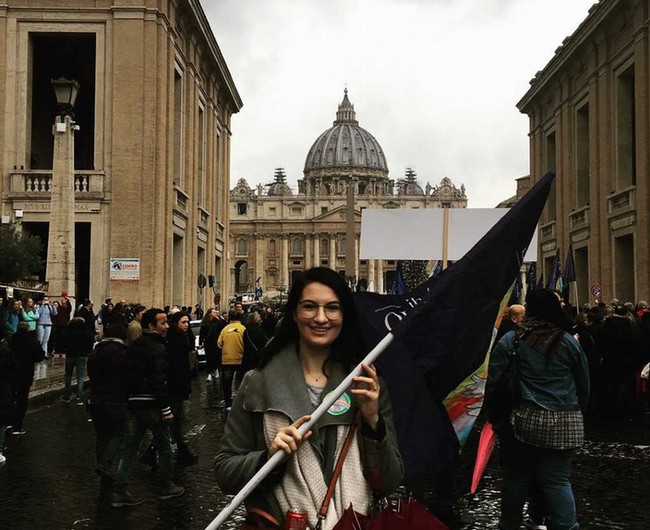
point(7, 378)
point(621, 347)
point(88, 315)
point(78, 342)
point(107, 399)
point(25, 349)
point(254, 340)
point(179, 346)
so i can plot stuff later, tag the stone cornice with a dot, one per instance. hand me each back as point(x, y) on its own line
point(204, 25)
point(597, 14)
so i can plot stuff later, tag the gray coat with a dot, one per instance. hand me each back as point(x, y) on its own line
point(280, 386)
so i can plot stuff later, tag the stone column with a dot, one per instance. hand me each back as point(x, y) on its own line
point(333, 238)
point(259, 260)
point(380, 276)
point(316, 250)
point(356, 258)
point(60, 248)
point(307, 247)
point(284, 272)
point(372, 281)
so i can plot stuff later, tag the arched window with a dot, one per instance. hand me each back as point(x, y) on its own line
point(272, 247)
point(241, 247)
point(296, 247)
point(324, 247)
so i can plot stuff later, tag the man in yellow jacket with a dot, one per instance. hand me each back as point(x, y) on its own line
point(231, 344)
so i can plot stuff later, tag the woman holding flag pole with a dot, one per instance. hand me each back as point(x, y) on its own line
point(317, 345)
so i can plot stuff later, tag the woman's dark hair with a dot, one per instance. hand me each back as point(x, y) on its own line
point(115, 331)
point(207, 318)
point(544, 304)
point(348, 348)
point(176, 318)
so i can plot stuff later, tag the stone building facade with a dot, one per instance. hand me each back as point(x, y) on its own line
point(589, 112)
point(152, 155)
point(276, 233)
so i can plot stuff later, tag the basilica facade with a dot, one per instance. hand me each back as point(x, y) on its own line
point(276, 232)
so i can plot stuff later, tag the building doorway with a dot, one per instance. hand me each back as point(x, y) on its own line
point(241, 277)
point(42, 231)
point(82, 238)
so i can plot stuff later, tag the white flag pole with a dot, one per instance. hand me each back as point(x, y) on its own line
point(315, 416)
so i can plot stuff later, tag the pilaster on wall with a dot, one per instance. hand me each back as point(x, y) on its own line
point(641, 54)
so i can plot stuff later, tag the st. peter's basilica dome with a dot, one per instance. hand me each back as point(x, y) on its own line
point(346, 149)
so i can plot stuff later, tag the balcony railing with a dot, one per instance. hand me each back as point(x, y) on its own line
point(547, 231)
point(35, 181)
point(579, 218)
point(621, 200)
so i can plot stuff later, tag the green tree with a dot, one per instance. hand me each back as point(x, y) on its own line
point(20, 254)
point(415, 273)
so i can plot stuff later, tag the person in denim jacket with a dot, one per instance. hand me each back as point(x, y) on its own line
point(554, 383)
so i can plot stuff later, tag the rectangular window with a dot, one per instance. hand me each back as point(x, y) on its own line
point(323, 262)
point(548, 269)
point(323, 209)
point(581, 259)
point(296, 262)
point(201, 157)
point(272, 211)
point(625, 130)
point(550, 166)
point(582, 156)
point(178, 269)
point(241, 208)
point(624, 274)
point(296, 210)
point(54, 55)
point(178, 128)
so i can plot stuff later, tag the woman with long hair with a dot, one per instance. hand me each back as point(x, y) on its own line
point(316, 346)
point(545, 427)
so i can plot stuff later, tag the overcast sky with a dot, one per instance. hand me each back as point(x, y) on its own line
point(435, 81)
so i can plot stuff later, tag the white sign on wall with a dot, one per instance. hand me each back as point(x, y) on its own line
point(124, 269)
point(419, 234)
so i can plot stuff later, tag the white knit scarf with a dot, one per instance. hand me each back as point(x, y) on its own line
point(303, 486)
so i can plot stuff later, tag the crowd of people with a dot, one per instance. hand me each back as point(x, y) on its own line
point(571, 364)
point(559, 368)
point(139, 363)
point(615, 338)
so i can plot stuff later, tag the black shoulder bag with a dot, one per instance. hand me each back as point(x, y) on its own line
point(506, 394)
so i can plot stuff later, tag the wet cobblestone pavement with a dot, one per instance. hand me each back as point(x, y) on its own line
point(48, 481)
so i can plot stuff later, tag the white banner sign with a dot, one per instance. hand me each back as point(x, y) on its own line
point(124, 269)
point(418, 234)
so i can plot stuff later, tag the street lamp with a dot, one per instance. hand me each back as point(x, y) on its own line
point(66, 91)
point(60, 249)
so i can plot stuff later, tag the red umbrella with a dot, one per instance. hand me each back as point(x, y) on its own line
point(485, 447)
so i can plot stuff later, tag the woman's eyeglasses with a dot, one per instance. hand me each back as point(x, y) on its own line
point(310, 309)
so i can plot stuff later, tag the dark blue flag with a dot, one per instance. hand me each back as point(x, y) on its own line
point(516, 291)
point(443, 331)
point(398, 287)
point(437, 269)
point(569, 275)
point(531, 276)
point(556, 272)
